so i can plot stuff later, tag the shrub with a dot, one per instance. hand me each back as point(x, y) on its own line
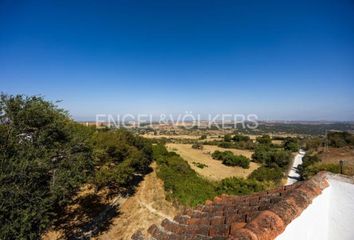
point(272, 157)
point(200, 165)
point(313, 169)
point(240, 138)
point(278, 158)
point(240, 186)
point(239, 160)
point(229, 159)
point(265, 139)
point(267, 174)
point(218, 155)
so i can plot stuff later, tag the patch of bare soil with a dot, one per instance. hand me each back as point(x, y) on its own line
point(215, 170)
point(105, 217)
point(146, 207)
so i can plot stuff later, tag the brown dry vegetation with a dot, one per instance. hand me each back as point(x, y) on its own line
point(215, 170)
point(334, 155)
point(146, 207)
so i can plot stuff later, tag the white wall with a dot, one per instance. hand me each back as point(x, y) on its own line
point(329, 217)
point(341, 212)
point(313, 221)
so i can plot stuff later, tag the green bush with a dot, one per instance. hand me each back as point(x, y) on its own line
point(240, 138)
point(239, 160)
point(200, 165)
point(272, 157)
point(265, 139)
point(313, 169)
point(267, 174)
point(229, 159)
point(240, 186)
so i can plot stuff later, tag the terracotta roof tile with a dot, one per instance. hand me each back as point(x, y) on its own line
point(260, 216)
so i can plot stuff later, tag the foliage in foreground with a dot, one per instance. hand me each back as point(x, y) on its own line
point(45, 157)
point(186, 187)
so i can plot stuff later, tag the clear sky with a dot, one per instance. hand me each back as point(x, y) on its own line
point(282, 60)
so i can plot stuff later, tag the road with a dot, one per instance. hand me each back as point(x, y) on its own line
point(293, 176)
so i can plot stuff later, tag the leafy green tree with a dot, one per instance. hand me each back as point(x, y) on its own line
point(291, 144)
point(44, 159)
point(271, 157)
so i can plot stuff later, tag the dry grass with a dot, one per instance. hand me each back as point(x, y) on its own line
point(334, 155)
point(137, 212)
point(148, 206)
point(215, 170)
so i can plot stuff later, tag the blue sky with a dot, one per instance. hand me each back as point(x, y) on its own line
point(282, 60)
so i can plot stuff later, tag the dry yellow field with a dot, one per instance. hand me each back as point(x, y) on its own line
point(215, 170)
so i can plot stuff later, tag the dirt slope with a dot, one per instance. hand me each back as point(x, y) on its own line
point(138, 212)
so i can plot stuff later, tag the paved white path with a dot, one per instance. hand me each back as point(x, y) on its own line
point(293, 176)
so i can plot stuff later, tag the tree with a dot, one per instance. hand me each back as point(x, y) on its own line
point(291, 144)
point(265, 139)
point(44, 159)
point(240, 138)
point(271, 157)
